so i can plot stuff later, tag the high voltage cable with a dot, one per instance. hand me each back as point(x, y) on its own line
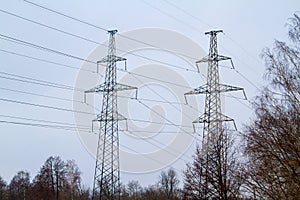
point(171, 16)
point(93, 41)
point(189, 14)
point(15, 40)
point(25, 43)
point(81, 21)
point(39, 125)
point(73, 129)
point(103, 29)
point(162, 97)
point(72, 125)
point(46, 61)
point(75, 57)
point(161, 147)
point(92, 71)
point(62, 86)
point(44, 106)
point(38, 82)
point(47, 27)
point(146, 155)
point(46, 121)
point(25, 0)
point(243, 76)
point(59, 13)
point(162, 116)
point(80, 112)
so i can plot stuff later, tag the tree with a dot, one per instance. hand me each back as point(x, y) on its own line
point(19, 186)
point(153, 192)
point(215, 174)
point(72, 179)
point(273, 137)
point(134, 189)
point(2, 189)
point(49, 181)
point(169, 183)
point(58, 179)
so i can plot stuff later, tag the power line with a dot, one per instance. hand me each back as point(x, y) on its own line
point(73, 129)
point(103, 29)
point(189, 14)
point(38, 81)
point(46, 121)
point(171, 16)
point(67, 16)
point(168, 151)
point(49, 27)
point(22, 42)
point(25, 43)
point(44, 106)
point(44, 60)
point(77, 111)
point(92, 71)
point(39, 125)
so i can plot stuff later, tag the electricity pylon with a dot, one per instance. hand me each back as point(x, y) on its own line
point(107, 169)
point(212, 117)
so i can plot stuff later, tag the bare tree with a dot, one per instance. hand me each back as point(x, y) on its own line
point(169, 183)
point(19, 186)
point(215, 174)
point(49, 182)
point(2, 189)
point(73, 180)
point(273, 138)
point(134, 189)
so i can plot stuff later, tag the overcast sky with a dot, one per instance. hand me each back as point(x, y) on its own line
point(249, 27)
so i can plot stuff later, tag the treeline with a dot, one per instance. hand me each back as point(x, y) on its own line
point(56, 179)
point(61, 180)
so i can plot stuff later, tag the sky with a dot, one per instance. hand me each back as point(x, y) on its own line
point(37, 85)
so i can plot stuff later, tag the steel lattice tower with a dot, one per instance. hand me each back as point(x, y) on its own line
point(107, 169)
point(212, 117)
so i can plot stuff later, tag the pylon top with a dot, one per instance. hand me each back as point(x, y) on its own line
point(213, 32)
point(112, 31)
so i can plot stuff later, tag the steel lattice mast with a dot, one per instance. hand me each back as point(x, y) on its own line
point(107, 169)
point(212, 117)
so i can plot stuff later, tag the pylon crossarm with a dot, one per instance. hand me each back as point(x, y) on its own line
point(213, 32)
point(200, 90)
point(104, 118)
point(229, 88)
point(206, 119)
point(111, 59)
point(204, 59)
point(220, 58)
point(120, 87)
point(99, 88)
point(202, 119)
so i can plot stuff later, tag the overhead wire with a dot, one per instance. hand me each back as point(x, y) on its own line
point(26, 79)
point(71, 18)
point(103, 29)
point(46, 61)
point(77, 111)
point(201, 21)
point(92, 71)
point(64, 15)
point(74, 129)
point(23, 42)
